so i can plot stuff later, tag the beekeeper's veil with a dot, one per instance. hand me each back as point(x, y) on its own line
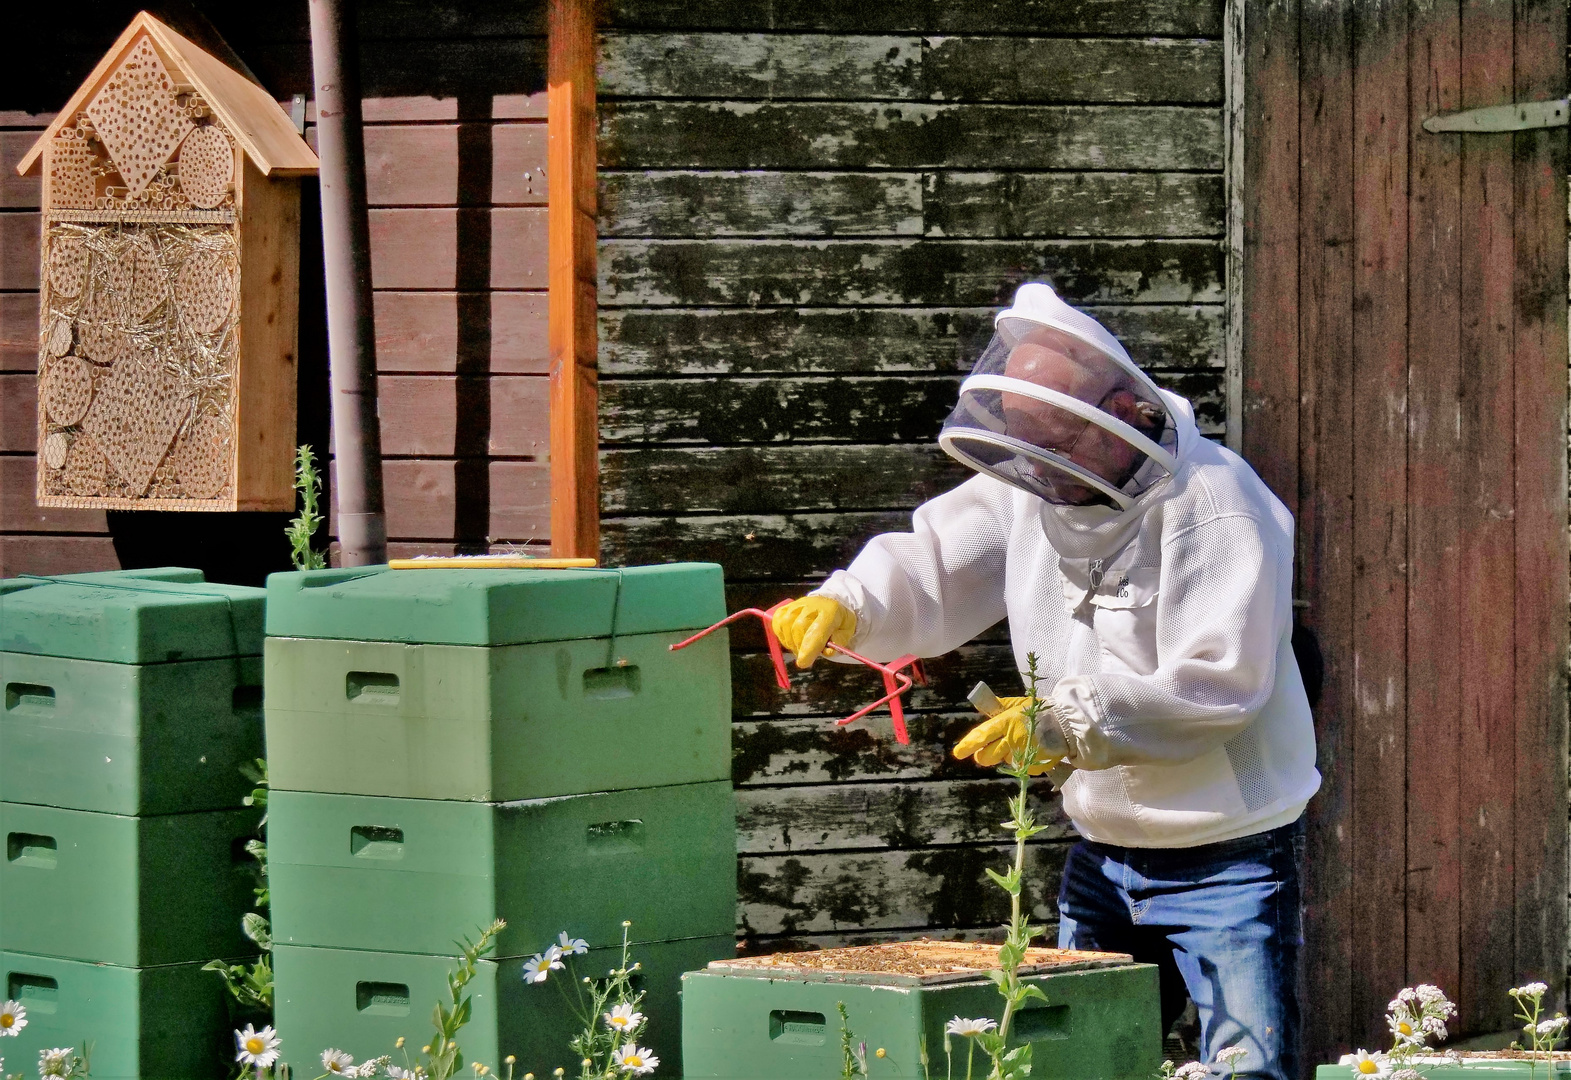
point(1056, 406)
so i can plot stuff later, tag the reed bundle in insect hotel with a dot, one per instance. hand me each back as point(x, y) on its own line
point(167, 315)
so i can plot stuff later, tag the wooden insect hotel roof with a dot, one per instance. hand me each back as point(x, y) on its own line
point(252, 117)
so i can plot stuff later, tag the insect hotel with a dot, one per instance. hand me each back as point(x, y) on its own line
point(170, 263)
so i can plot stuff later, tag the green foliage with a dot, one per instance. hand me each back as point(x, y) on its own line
point(853, 1055)
point(251, 985)
point(443, 1058)
point(302, 528)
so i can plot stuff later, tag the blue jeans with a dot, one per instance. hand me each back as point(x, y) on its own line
point(1220, 921)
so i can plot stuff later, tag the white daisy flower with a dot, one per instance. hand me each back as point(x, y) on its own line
point(962, 1026)
point(1403, 1031)
point(258, 1048)
point(1365, 1063)
point(336, 1062)
point(622, 1018)
point(571, 946)
point(1229, 1054)
point(538, 967)
point(56, 1062)
point(13, 1018)
point(636, 1060)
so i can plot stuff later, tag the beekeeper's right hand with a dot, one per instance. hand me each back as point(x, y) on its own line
point(805, 626)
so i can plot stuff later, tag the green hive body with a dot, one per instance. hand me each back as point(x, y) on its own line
point(157, 1023)
point(451, 746)
point(361, 1002)
point(415, 875)
point(131, 701)
point(1102, 1023)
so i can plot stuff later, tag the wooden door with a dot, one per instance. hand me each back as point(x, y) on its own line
point(1405, 394)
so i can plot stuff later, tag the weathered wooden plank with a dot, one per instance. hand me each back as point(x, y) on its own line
point(1380, 535)
point(1098, 204)
point(854, 272)
point(520, 502)
point(431, 416)
point(688, 203)
point(747, 635)
point(498, 331)
point(1189, 18)
point(1487, 749)
point(837, 690)
point(446, 248)
point(692, 203)
point(19, 250)
point(452, 67)
point(1539, 336)
point(744, 480)
point(1436, 471)
point(19, 331)
point(802, 340)
point(47, 555)
point(757, 546)
point(530, 105)
point(1325, 526)
point(838, 817)
point(477, 164)
point(18, 413)
point(816, 752)
point(860, 409)
point(841, 67)
point(18, 192)
point(939, 887)
point(894, 135)
point(19, 513)
point(746, 66)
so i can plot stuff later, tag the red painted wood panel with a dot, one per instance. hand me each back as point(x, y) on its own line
point(424, 499)
point(421, 415)
point(419, 164)
point(420, 248)
point(1436, 475)
point(19, 331)
point(1540, 344)
point(1379, 506)
point(1325, 526)
point(419, 331)
point(18, 191)
point(56, 555)
point(18, 413)
point(19, 250)
point(18, 512)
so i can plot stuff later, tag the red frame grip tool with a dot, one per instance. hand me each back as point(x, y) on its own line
point(896, 681)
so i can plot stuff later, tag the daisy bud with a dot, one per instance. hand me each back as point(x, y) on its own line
point(399, 1045)
point(879, 1052)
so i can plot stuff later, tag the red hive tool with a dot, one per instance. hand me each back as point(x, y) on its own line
point(896, 681)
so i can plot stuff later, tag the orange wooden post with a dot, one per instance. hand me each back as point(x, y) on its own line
point(570, 177)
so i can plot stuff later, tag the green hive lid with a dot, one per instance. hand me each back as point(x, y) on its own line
point(130, 616)
point(493, 606)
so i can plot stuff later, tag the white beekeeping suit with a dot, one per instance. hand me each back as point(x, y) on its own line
point(1147, 568)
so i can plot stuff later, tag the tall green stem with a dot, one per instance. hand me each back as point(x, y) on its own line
point(1015, 922)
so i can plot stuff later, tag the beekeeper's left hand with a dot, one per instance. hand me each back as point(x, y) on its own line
point(1001, 735)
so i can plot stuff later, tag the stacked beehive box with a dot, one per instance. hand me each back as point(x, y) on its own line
point(131, 702)
point(448, 747)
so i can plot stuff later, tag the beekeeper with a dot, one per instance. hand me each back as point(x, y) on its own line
point(1149, 571)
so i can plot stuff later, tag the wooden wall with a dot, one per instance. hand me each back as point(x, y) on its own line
point(809, 212)
point(455, 145)
point(1405, 378)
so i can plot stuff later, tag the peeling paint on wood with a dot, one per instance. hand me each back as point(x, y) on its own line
point(900, 135)
point(1188, 18)
point(1016, 69)
point(666, 341)
point(832, 817)
point(792, 894)
point(925, 272)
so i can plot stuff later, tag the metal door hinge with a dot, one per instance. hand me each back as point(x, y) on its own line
point(1521, 117)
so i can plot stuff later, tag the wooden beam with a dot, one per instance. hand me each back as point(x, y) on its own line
point(570, 171)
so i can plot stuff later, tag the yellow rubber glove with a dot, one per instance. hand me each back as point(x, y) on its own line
point(805, 626)
point(998, 737)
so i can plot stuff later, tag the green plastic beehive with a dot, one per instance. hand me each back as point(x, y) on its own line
point(492, 607)
point(135, 617)
point(362, 1002)
point(413, 875)
point(160, 1023)
point(495, 724)
point(1101, 1021)
point(128, 738)
point(131, 891)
